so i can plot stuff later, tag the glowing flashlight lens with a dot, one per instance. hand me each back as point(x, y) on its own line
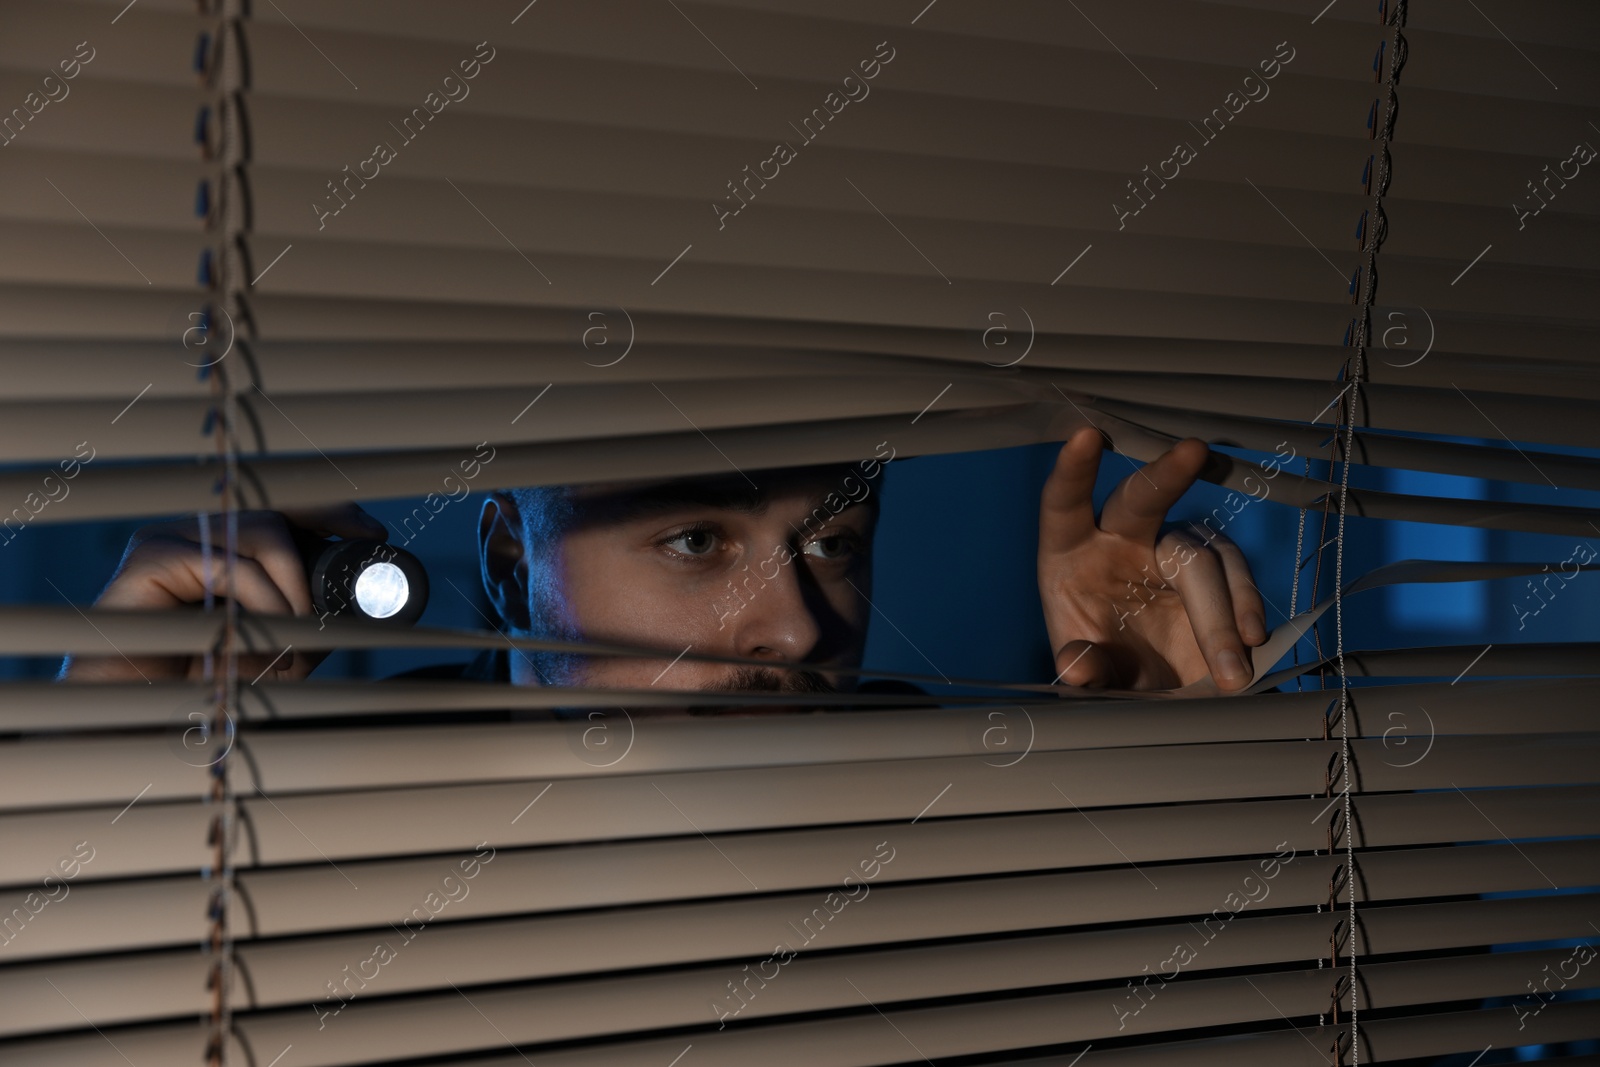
point(382, 590)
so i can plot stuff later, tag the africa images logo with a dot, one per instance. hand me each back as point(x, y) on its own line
point(410, 128)
point(855, 89)
point(1255, 90)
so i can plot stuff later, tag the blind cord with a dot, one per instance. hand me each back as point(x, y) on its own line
point(1373, 229)
point(229, 79)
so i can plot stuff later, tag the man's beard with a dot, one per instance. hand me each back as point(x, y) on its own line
point(766, 680)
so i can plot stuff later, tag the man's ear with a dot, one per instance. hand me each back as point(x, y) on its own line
point(500, 556)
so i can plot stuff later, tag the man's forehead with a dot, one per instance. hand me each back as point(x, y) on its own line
point(750, 493)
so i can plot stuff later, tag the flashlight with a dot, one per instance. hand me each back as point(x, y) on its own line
point(364, 579)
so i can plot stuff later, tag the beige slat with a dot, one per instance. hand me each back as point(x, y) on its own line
point(456, 419)
point(40, 311)
point(1549, 419)
point(531, 1015)
point(159, 489)
point(738, 127)
point(680, 347)
point(586, 237)
point(1000, 730)
point(277, 974)
point(47, 773)
point(1430, 1034)
point(1560, 24)
point(280, 482)
point(1557, 23)
point(166, 770)
point(453, 1023)
point(952, 77)
point(1035, 35)
point(1553, 659)
point(1301, 492)
point(969, 212)
point(142, 193)
point(1373, 449)
point(104, 117)
point(142, 48)
point(157, 839)
point(318, 899)
point(116, 370)
point(119, 255)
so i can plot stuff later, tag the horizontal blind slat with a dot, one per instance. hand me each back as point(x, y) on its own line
point(316, 899)
point(159, 985)
point(449, 1024)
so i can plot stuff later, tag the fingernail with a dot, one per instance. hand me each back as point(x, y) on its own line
point(1231, 666)
point(1256, 626)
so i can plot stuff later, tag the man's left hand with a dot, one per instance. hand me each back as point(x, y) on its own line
point(1127, 607)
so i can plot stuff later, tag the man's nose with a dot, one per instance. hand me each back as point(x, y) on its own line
point(777, 620)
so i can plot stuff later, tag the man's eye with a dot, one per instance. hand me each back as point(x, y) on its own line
point(838, 546)
point(694, 542)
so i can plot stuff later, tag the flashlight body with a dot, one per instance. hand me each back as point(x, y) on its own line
point(334, 569)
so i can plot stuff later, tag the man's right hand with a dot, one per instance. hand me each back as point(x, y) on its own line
point(164, 567)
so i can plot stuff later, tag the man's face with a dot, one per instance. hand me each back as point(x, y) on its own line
point(712, 566)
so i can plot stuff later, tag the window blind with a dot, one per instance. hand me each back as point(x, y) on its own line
point(984, 232)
